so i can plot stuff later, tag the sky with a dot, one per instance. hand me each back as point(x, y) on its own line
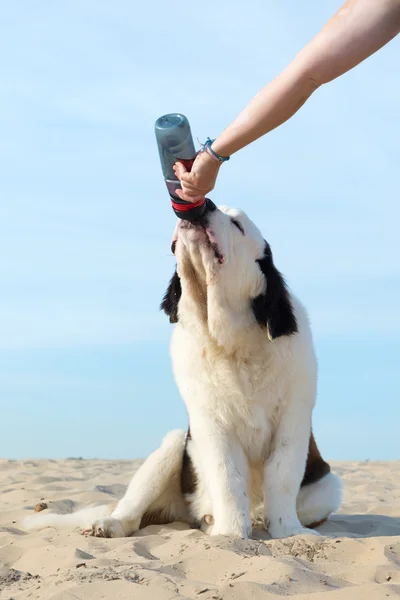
point(86, 222)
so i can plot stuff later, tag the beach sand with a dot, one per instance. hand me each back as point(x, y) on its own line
point(357, 557)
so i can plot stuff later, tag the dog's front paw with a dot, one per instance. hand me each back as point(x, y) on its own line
point(233, 529)
point(283, 530)
point(302, 531)
point(107, 527)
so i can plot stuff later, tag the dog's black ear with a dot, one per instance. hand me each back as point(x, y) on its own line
point(273, 309)
point(171, 298)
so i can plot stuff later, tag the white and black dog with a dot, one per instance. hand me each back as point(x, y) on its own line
point(244, 363)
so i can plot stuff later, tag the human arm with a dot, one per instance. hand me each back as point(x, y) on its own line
point(355, 32)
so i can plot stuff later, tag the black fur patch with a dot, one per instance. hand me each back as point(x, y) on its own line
point(188, 476)
point(273, 309)
point(316, 467)
point(171, 298)
point(315, 470)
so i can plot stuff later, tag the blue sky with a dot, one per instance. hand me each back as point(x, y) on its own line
point(85, 221)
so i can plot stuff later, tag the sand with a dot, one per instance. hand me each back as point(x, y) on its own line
point(357, 557)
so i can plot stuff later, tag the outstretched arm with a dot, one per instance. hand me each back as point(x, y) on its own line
point(357, 30)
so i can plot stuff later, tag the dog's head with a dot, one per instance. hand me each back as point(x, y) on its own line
point(226, 278)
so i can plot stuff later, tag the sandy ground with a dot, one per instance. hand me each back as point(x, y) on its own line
point(357, 557)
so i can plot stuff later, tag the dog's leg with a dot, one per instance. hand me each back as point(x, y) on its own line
point(224, 470)
point(284, 470)
point(146, 487)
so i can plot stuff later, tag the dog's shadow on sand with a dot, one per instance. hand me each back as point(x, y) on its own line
point(352, 526)
point(367, 525)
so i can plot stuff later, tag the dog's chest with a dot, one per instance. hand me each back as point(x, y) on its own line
point(244, 395)
point(252, 407)
point(249, 397)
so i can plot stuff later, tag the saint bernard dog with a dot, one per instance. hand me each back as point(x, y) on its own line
point(244, 363)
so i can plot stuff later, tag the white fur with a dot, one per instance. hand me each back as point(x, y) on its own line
point(317, 501)
point(249, 400)
point(82, 518)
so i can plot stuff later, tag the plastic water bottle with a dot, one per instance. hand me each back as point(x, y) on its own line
point(175, 143)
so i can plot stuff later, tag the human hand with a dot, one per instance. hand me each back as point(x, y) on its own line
point(197, 183)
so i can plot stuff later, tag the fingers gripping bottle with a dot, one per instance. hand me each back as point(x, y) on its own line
point(175, 143)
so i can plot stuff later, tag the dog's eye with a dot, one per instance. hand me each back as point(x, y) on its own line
point(238, 225)
point(173, 246)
